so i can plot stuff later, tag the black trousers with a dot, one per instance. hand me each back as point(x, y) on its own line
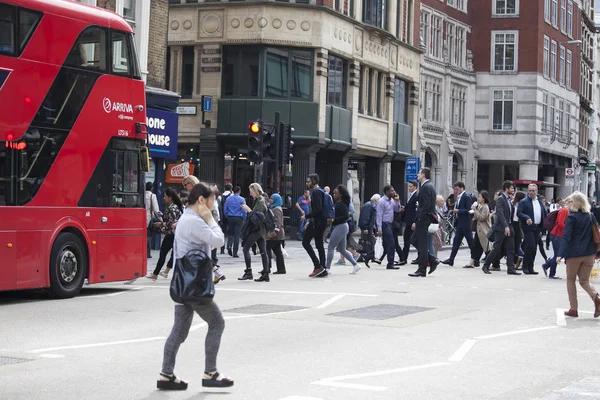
point(274, 246)
point(165, 247)
point(388, 242)
point(420, 241)
point(531, 244)
point(501, 241)
point(476, 249)
point(148, 242)
point(518, 238)
point(315, 232)
point(234, 224)
point(408, 232)
point(260, 242)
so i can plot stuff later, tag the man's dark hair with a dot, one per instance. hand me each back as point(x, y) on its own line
point(507, 184)
point(237, 189)
point(228, 186)
point(426, 172)
point(149, 186)
point(199, 190)
point(387, 188)
point(314, 178)
point(414, 183)
point(459, 184)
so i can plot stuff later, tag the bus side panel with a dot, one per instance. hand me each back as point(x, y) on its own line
point(8, 260)
point(121, 240)
point(31, 272)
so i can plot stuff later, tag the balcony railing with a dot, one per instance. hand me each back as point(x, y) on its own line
point(556, 134)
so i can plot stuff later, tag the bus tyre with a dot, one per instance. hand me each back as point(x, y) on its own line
point(68, 266)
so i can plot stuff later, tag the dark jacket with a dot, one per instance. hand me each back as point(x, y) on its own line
point(317, 201)
point(341, 214)
point(368, 215)
point(410, 210)
point(278, 214)
point(577, 240)
point(426, 200)
point(504, 214)
point(464, 206)
point(525, 212)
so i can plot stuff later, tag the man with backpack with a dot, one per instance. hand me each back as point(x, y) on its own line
point(321, 209)
point(222, 200)
point(555, 224)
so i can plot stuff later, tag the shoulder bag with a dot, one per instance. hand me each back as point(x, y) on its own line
point(595, 233)
point(192, 281)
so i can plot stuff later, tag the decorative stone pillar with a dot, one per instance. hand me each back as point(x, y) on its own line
point(437, 179)
point(373, 102)
point(176, 68)
point(528, 170)
point(549, 191)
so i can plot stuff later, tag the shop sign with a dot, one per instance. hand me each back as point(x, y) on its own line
point(176, 172)
point(162, 133)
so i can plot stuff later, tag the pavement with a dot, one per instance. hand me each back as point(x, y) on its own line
point(457, 334)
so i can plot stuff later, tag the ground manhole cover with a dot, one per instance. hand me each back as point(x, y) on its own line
point(380, 312)
point(264, 309)
point(13, 360)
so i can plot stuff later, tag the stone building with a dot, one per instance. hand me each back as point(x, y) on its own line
point(345, 74)
point(527, 103)
point(446, 134)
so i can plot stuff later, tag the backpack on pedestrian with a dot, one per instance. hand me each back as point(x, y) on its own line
point(550, 220)
point(328, 206)
point(269, 222)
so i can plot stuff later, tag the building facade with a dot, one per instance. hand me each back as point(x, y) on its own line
point(446, 129)
point(585, 179)
point(527, 118)
point(344, 74)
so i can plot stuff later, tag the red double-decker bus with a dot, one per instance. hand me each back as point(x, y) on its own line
point(72, 148)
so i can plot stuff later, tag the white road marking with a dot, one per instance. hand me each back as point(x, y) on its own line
point(84, 346)
point(463, 350)
point(332, 300)
point(496, 335)
point(561, 319)
point(300, 398)
point(379, 373)
point(52, 356)
point(350, 386)
point(510, 290)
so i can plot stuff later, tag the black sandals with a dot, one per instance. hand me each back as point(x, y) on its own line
point(172, 383)
point(216, 380)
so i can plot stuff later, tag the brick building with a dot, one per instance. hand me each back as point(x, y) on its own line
point(345, 74)
point(446, 133)
point(527, 118)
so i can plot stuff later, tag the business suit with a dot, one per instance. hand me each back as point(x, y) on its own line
point(409, 216)
point(505, 212)
point(531, 233)
point(463, 229)
point(425, 210)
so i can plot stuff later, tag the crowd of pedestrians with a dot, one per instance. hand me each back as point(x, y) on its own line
point(510, 226)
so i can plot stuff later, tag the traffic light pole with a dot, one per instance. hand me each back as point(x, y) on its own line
point(278, 145)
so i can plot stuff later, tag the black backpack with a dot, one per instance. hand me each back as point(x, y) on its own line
point(269, 222)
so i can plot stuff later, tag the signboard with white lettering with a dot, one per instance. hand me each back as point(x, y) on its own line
point(162, 133)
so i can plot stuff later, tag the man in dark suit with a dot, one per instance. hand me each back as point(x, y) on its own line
point(503, 231)
point(531, 213)
point(409, 214)
point(463, 229)
point(425, 213)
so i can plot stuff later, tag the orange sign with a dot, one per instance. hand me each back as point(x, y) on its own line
point(176, 172)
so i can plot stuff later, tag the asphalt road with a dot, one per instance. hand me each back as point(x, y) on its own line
point(457, 334)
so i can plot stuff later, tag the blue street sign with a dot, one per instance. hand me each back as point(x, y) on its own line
point(163, 127)
point(207, 103)
point(413, 165)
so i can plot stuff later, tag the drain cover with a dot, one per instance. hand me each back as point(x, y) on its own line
point(380, 312)
point(264, 309)
point(13, 360)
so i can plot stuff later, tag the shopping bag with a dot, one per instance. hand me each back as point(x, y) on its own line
point(379, 248)
point(595, 275)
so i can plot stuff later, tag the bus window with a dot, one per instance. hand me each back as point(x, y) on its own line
point(28, 21)
point(7, 29)
point(8, 169)
point(121, 63)
point(89, 51)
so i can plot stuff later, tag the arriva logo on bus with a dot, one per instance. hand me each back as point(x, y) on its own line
point(118, 107)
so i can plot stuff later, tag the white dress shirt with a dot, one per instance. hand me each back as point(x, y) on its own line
point(537, 211)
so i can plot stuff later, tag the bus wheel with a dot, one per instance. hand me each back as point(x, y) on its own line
point(68, 266)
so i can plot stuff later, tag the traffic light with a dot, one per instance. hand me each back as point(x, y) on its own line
point(269, 145)
point(287, 144)
point(255, 141)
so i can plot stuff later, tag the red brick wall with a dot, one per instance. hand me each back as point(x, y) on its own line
point(417, 24)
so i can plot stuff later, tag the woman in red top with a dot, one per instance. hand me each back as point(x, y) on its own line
point(557, 234)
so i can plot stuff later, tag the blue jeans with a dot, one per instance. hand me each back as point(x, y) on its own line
point(430, 244)
point(551, 263)
point(301, 228)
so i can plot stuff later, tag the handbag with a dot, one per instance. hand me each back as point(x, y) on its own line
point(192, 281)
point(596, 234)
point(491, 235)
point(473, 225)
point(433, 228)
